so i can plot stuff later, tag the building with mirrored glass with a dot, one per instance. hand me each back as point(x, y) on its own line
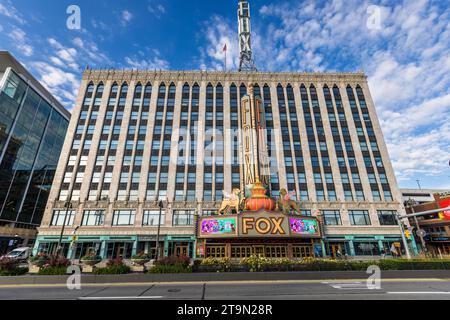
point(33, 126)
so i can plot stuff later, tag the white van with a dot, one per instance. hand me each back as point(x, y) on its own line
point(20, 254)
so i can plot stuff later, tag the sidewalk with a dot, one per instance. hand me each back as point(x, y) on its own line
point(226, 276)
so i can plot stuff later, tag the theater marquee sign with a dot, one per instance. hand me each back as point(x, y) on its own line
point(259, 224)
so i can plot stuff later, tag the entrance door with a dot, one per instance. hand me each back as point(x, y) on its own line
point(334, 248)
point(258, 251)
point(182, 249)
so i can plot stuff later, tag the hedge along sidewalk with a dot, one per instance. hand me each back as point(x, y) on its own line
point(226, 276)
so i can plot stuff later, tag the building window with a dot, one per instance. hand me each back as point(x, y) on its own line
point(387, 218)
point(332, 217)
point(151, 218)
point(93, 218)
point(123, 218)
point(359, 218)
point(60, 215)
point(183, 218)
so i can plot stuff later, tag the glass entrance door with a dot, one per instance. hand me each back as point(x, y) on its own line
point(182, 249)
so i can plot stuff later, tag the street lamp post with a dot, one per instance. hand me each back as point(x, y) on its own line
point(67, 205)
point(160, 205)
point(410, 203)
point(405, 243)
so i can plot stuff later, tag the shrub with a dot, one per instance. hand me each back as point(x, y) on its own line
point(170, 268)
point(53, 271)
point(141, 256)
point(91, 257)
point(255, 263)
point(55, 265)
point(174, 260)
point(224, 264)
point(172, 264)
point(115, 266)
point(39, 260)
point(10, 267)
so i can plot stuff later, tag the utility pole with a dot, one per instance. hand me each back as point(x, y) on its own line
point(410, 203)
point(161, 206)
point(67, 205)
point(418, 184)
point(405, 242)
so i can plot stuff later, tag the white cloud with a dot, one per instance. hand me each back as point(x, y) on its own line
point(8, 10)
point(20, 41)
point(63, 85)
point(126, 17)
point(407, 62)
point(157, 9)
point(156, 63)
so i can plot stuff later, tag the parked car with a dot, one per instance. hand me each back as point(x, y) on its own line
point(20, 254)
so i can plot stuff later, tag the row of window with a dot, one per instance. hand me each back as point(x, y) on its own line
point(359, 217)
point(94, 218)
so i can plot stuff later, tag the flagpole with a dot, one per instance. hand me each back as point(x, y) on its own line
point(226, 60)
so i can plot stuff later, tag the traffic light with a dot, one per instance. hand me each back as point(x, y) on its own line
point(407, 234)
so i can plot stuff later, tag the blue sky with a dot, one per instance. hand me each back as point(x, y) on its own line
point(406, 56)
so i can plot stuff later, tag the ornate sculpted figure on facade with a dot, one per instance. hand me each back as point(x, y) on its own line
point(285, 202)
point(231, 202)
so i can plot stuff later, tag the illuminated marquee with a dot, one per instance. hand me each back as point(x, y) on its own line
point(218, 226)
point(303, 226)
point(257, 225)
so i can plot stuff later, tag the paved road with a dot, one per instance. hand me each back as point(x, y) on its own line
point(391, 289)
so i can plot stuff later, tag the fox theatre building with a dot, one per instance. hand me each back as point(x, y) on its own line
point(264, 233)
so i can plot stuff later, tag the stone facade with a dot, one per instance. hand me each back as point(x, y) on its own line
point(198, 204)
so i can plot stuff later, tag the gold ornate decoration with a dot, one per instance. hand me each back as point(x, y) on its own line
point(231, 201)
point(286, 204)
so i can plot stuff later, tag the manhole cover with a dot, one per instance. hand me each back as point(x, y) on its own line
point(174, 290)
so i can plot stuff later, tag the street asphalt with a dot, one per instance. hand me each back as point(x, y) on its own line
point(342, 286)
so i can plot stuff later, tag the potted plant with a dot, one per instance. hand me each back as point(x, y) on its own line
point(38, 261)
point(91, 259)
point(141, 258)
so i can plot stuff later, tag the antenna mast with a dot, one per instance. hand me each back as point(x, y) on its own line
point(246, 62)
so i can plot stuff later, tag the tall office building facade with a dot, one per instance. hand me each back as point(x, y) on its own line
point(137, 137)
point(33, 125)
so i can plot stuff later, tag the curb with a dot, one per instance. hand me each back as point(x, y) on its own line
point(230, 276)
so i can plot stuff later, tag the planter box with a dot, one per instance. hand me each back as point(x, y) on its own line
point(87, 268)
point(205, 268)
point(140, 262)
point(137, 268)
point(33, 269)
point(90, 262)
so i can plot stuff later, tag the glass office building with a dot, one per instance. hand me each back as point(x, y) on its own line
point(33, 125)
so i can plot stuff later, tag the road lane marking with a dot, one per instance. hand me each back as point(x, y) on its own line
point(224, 282)
point(121, 298)
point(418, 292)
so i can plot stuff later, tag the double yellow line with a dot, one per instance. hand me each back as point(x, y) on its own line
point(232, 282)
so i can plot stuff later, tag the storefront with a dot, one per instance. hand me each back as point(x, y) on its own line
point(364, 245)
point(114, 247)
point(264, 233)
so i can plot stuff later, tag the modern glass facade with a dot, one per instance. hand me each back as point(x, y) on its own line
point(32, 133)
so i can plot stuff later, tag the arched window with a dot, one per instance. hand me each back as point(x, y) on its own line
point(100, 88)
point(114, 88)
point(90, 88)
point(124, 88)
point(148, 89)
point(138, 89)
